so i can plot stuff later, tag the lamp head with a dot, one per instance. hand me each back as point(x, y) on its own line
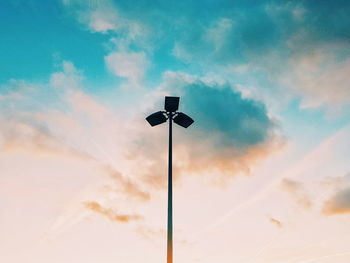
point(183, 120)
point(171, 104)
point(156, 118)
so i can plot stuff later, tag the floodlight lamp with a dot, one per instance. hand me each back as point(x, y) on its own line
point(183, 120)
point(156, 118)
point(171, 104)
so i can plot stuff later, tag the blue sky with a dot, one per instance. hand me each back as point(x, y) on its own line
point(267, 83)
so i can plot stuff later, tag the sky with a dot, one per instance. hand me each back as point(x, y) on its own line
point(263, 174)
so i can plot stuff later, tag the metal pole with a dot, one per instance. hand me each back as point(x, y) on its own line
point(170, 193)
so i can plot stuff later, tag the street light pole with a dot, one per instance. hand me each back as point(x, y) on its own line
point(171, 114)
point(170, 193)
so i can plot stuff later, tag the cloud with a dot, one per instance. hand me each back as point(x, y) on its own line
point(103, 20)
point(321, 76)
point(69, 78)
point(310, 42)
point(276, 222)
point(111, 214)
point(230, 134)
point(339, 202)
point(297, 191)
point(223, 111)
point(327, 21)
point(72, 124)
point(259, 37)
point(130, 65)
point(103, 16)
point(99, 16)
point(58, 135)
point(19, 136)
point(244, 31)
point(126, 186)
point(240, 33)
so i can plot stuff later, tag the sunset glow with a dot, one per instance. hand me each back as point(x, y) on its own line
point(262, 176)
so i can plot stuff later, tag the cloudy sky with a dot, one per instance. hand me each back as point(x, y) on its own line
point(263, 175)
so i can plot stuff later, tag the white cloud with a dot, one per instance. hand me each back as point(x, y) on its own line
point(180, 52)
point(102, 21)
point(68, 78)
point(103, 16)
point(130, 65)
point(321, 77)
point(80, 131)
point(217, 34)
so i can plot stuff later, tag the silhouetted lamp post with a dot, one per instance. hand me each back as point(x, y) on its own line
point(159, 117)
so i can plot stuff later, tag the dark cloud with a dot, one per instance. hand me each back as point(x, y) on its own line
point(265, 37)
point(240, 122)
point(230, 134)
point(257, 26)
point(328, 20)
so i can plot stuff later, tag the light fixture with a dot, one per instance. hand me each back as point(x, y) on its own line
point(156, 118)
point(171, 106)
point(183, 120)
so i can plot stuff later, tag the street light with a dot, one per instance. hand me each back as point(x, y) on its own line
point(171, 106)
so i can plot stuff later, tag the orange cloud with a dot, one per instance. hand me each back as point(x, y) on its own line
point(133, 154)
point(26, 137)
point(230, 160)
point(231, 134)
point(339, 203)
point(276, 222)
point(194, 154)
point(111, 214)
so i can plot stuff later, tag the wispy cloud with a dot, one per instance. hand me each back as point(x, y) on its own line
point(126, 186)
point(276, 222)
point(297, 192)
point(18, 136)
point(112, 214)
